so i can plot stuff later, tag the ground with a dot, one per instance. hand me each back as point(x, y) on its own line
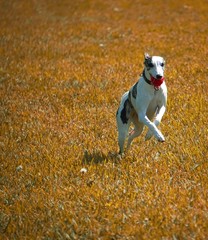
point(64, 66)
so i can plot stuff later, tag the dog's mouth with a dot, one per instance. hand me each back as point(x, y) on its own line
point(156, 82)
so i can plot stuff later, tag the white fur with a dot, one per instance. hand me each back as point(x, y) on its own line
point(149, 103)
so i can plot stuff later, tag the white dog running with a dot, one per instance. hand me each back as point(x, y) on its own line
point(146, 99)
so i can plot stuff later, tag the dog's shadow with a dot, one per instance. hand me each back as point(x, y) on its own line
point(98, 157)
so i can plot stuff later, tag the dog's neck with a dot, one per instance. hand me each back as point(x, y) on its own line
point(146, 76)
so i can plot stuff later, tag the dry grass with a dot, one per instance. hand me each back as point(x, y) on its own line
point(64, 66)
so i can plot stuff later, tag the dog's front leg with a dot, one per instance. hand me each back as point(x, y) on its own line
point(152, 127)
point(158, 118)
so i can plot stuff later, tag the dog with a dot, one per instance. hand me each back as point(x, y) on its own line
point(145, 100)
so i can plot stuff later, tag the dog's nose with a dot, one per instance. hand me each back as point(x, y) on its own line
point(158, 76)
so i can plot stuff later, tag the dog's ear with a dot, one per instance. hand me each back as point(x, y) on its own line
point(147, 59)
point(146, 56)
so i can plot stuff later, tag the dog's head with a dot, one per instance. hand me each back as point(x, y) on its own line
point(155, 67)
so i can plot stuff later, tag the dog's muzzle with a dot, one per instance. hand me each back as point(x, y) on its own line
point(156, 82)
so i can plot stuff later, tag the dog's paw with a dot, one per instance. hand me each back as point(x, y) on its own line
point(120, 156)
point(160, 138)
point(148, 135)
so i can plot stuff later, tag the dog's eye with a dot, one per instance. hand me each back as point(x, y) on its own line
point(162, 64)
point(150, 65)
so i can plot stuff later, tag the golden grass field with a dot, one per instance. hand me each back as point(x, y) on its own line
point(64, 66)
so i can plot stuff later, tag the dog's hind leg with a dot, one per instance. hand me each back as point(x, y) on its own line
point(123, 129)
point(123, 121)
point(138, 128)
point(122, 134)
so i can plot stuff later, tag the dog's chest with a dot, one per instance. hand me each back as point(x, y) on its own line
point(156, 95)
point(156, 98)
point(143, 95)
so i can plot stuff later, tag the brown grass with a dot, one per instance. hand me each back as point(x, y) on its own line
point(64, 66)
